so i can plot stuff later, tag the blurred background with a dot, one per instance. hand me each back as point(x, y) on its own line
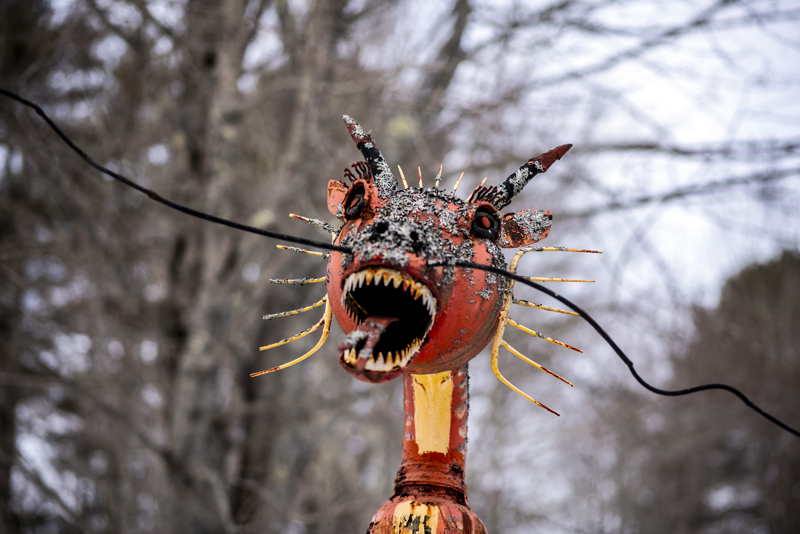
point(127, 330)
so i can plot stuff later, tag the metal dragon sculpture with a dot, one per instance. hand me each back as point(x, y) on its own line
point(406, 312)
point(417, 280)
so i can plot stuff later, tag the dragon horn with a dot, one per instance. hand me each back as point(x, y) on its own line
point(383, 178)
point(502, 194)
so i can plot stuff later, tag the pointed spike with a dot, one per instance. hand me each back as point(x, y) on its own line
point(548, 158)
point(469, 198)
point(403, 177)
point(419, 173)
point(382, 174)
point(514, 184)
point(458, 182)
point(438, 176)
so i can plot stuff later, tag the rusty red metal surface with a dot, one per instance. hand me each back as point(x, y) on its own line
point(405, 312)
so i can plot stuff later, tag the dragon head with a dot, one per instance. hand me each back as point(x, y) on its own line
point(399, 303)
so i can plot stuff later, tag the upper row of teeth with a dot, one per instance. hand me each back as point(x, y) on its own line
point(386, 362)
point(389, 276)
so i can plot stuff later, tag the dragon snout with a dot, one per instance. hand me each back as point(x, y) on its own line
point(391, 235)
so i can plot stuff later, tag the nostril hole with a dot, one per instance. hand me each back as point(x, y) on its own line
point(416, 242)
point(380, 228)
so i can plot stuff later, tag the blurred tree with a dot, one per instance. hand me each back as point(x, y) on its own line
point(127, 331)
point(734, 473)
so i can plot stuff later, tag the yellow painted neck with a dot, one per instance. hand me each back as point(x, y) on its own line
point(433, 397)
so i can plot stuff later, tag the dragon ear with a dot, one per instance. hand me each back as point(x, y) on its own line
point(523, 228)
point(337, 191)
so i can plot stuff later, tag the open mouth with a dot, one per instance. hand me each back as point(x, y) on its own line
point(393, 313)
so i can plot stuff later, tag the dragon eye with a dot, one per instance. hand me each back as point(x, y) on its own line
point(485, 224)
point(354, 203)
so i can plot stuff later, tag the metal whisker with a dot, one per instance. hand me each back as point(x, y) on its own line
point(322, 301)
point(501, 327)
point(527, 330)
point(316, 222)
point(562, 249)
point(295, 337)
point(296, 281)
point(543, 279)
point(303, 251)
point(542, 307)
point(325, 321)
point(516, 353)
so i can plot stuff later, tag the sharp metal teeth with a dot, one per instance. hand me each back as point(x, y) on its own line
point(350, 357)
point(380, 364)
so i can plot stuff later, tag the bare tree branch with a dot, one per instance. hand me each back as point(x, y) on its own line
point(683, 192)
point(701, 20)
point(744, 149)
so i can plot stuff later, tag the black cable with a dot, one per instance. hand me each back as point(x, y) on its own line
point(283, 237)
point(158, 198)
point(588, 318)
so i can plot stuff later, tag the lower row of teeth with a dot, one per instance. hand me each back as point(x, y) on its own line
point(386, 362)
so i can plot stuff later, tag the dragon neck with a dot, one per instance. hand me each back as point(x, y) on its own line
point(430, 494)
point(435, 434)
